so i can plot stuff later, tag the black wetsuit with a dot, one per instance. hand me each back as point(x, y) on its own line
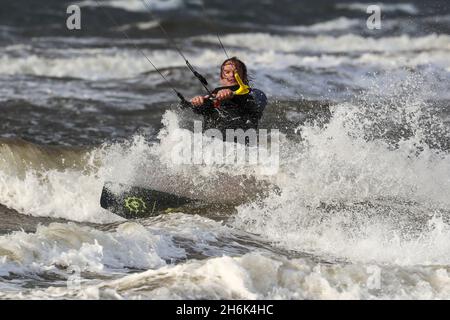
point(240, 112)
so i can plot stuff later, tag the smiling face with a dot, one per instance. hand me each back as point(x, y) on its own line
point(227, 75)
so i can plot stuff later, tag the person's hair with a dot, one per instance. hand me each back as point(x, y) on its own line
point(239, 65)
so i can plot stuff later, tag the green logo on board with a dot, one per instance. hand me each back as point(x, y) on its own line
point(135, 204)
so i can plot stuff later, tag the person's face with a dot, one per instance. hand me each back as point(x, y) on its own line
point(227, 76)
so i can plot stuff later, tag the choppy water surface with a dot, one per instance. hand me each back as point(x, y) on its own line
point(361, 209)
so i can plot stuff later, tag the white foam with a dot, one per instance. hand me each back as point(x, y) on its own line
point(59, 246)
point(96, 64)
point(333, 165)
point(60, 193)
point(32, 184)
point(438, 58)
point(328, 44)
point(157, 165)
point(386, 7)
point(341, 23)
point(134, 5)
point(263, 276)
point(315, 52)
point(68, 194)
point(140, 25)
point(335, 157)
point(338, 166)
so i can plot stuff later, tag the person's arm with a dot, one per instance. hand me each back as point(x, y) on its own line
point(200, 104)
point(198, 100)
point(224, 94)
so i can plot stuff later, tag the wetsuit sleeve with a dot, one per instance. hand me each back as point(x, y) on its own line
point(255, 103)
